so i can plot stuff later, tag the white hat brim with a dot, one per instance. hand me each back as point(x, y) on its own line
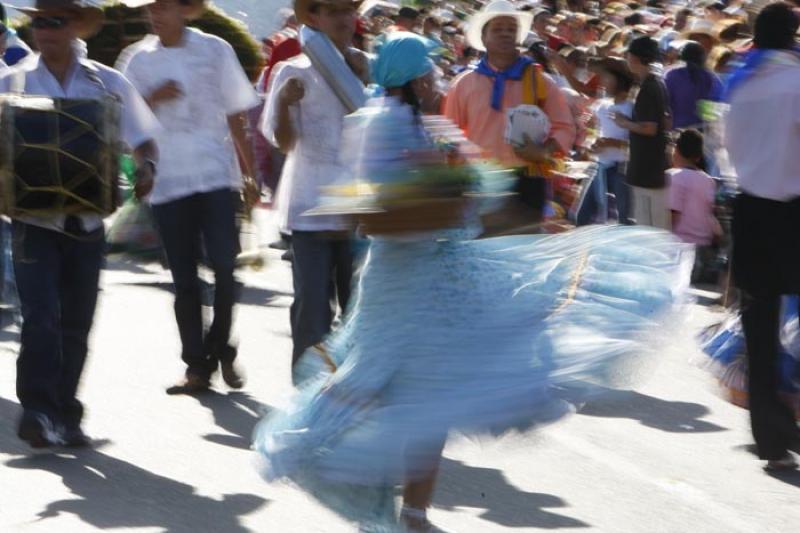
point(480, 19)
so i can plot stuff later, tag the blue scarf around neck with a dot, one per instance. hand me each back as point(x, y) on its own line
point(514, 72)
point(752, 61)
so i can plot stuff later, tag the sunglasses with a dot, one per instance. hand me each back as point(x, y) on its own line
point(49, 23)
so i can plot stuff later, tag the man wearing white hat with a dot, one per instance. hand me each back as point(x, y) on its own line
point(479, 99)
point(58, 257)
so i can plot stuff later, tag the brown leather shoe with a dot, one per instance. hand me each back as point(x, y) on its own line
point(192, 384)
point(231, 375)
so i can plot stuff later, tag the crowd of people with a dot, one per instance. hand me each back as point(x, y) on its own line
point(634, 89)
point(683, 56)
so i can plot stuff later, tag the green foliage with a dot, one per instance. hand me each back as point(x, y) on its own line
point(247, 48)
point(124, 26)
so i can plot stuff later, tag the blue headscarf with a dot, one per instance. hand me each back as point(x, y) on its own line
point(402, 58)
point(514, 72)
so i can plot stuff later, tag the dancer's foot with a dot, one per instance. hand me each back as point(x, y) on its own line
point(191, 384)
point(416, 520)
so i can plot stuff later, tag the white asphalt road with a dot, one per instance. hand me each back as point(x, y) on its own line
point(668, 457)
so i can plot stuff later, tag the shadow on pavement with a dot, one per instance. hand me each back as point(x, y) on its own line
point(488, 488)
point(790, 478)
point(674, 417)
point(133, 266)
point(235, 412)
point(111, 493)
point(247, 295)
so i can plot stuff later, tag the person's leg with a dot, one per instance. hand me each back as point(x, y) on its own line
point(642, 210)
point(37, 266)
point(343, 263)
point(773, 424)
point(80, 275)
point(589, 208)
point(179, 227)
point(615, 181)
point(601, 195)
point(418, 494)
point(218, 226)
point(312, 269)
point(756, 263)
point(661, 215)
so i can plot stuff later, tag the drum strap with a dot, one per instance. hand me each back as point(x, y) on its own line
point(534, 92)
point(18, 82)
point(94, 77)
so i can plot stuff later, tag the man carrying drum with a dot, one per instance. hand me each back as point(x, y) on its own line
point(57, 257)
point(200, 94)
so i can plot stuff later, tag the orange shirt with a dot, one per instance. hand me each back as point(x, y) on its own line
point(468, 104)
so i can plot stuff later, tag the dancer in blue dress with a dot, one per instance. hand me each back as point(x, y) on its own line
point(725, 346)
point(449, 334)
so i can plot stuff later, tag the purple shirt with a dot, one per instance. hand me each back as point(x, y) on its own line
point(684, 93)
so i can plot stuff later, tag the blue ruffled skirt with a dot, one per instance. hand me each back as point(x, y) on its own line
point(724, 344)
point(469, 336)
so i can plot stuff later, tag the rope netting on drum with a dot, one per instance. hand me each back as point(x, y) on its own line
point(62, 156)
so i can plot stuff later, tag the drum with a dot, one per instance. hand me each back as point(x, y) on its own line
point(58, 156)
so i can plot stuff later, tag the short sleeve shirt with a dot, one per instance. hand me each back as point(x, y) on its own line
point(196, 150)
point(648, 158)
point(316, 160)
point(691, 193)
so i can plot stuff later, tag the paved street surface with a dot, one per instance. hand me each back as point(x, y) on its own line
point(668, 457)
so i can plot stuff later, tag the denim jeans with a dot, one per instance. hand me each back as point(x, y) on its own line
point(203, 222)
point(595, 208)
point(322, 268)
point(57, 279)
point(615, 184)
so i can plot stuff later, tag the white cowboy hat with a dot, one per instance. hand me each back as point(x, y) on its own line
point(494, 9)
point(700, 27)
point(194, 8)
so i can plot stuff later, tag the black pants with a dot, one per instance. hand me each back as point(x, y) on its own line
point(57, 278)
point(188, 227)
point(772, 421)
point(322, 268)
point(766, 265)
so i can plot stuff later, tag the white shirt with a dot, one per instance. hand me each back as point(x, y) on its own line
point(604, 112)
point(137, 123)
point(763, 129)
point(316, 159)
point(197, 153)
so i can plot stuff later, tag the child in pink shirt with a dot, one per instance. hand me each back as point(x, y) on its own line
point(692, 192)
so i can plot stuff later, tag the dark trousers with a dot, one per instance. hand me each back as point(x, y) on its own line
point(204, 222)
point(57, 279)
point(772, 421)
point(322, 268)
point(615, 181)
point(766, 265)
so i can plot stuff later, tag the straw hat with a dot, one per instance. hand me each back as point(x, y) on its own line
point(88, 17)
point(194, 8)
point(302, 8)
point(493, 10)
point(700, 27)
